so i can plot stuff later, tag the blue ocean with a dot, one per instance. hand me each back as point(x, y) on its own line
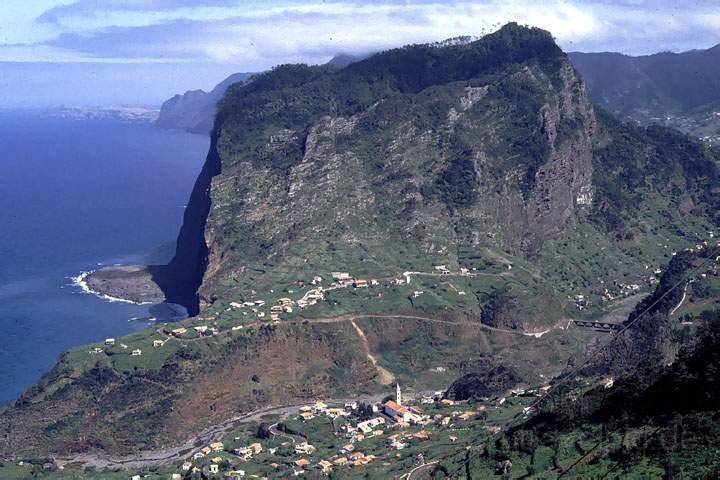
point(75, 195)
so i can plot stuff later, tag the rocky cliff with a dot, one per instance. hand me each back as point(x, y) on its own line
point(425, 146)
point(488, 145)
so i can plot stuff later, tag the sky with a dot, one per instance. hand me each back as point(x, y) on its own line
point(142, 51)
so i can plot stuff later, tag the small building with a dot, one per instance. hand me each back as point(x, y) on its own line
point(360, 283)
point(109, 341)
point(341, 277)
point(302, 462)
point(136, 353)
point(214, 468)
point(158, 343)
point(186, 466)
point(324, 466)
point(217, 446)
point(442, 269)
point(340, 461)
point(244, 453)
point(305, 448)
point(368, 425)
point(335, 412)
point(397, 412)
point(417, 293)
point(179, 331)
point(201, 329)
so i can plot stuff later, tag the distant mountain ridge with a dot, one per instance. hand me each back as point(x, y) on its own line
point(678, 89)
point(194, 111)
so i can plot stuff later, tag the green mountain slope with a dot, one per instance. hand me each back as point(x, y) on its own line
point(482, 154)
point(658, 419)
point(486, 158)
point(676, 89)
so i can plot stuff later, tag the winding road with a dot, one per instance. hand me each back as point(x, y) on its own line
point(416, 472)
point(205, 437)
point(277, 432)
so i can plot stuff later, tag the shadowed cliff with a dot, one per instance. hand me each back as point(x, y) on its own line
point(180, 279)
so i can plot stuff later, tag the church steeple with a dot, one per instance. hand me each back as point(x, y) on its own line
point(398, 394)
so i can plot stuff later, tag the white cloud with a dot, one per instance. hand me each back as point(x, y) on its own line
point(262, 35)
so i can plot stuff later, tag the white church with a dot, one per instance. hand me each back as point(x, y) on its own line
point(395, 409)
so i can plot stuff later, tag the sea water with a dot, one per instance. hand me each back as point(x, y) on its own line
point(76, 194)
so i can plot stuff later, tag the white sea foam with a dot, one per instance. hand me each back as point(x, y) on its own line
point(79, 281)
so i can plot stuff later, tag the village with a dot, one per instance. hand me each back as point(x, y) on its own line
point(273, 309)
point(256, 311)
point(353, 438)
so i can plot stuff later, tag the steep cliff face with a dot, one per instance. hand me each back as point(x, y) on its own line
point(180, 280)
point(425, 146)
point(431, 150)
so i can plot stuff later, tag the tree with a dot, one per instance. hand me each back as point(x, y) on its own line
point(263, 432)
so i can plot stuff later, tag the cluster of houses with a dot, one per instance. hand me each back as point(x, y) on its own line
point(391, 411)
point(202, 330)
point(392, 414)
point(215, 462)
point(284, 305)
point(110, 342)
point(624, 290)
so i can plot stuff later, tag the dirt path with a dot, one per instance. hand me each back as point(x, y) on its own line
point(682, 300)
point(386, 378)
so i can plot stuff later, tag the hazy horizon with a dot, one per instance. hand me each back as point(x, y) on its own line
point(141, 52)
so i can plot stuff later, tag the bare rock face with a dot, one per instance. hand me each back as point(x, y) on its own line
point(564, 183)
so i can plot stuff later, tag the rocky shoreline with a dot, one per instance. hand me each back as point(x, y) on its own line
point(132, 283)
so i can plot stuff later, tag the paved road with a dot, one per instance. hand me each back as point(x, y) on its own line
point(417, 472)
point(294, 438)
point(207, 436)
